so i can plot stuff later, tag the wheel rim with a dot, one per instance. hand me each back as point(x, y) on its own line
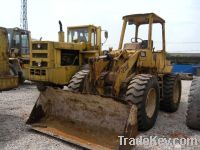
point(150, 105)
point(176, 93)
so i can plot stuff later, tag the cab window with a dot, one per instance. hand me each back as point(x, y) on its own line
point(93, 38)
point(78, 35)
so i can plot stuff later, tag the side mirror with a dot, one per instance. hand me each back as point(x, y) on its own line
point(106, 34)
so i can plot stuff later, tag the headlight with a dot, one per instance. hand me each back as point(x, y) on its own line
point(38, 46)
point(39, 64)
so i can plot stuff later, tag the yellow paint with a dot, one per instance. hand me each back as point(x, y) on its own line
point(56, 73)
point(7, 80)
point(125, 63)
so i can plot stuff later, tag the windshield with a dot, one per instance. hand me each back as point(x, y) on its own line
point(24, 38)
point(16, 41)
point(9, 40)
point(78, 35)
point(24, 44)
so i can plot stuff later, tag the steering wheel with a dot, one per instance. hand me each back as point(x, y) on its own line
point(133, 40)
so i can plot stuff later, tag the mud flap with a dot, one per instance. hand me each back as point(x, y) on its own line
point(89, 121)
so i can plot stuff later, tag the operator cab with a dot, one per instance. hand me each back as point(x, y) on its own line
point(86, 34)
point(89, 35)
point(19, 41)
point(140, 21)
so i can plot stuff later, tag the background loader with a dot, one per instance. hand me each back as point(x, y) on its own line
point(54, 63)
point(118, 94)
point(8, 79)
point(19, 51)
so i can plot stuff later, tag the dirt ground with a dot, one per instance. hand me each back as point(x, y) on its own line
point(16, 105)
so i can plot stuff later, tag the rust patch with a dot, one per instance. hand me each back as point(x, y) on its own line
point(79, 133)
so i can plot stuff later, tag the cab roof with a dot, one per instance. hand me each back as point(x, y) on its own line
point(139, 19)
point(82, 26)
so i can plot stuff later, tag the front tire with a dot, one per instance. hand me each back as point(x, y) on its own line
point(76, 83)
point(143, 91)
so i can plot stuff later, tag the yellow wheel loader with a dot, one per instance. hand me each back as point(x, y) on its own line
point(8, 79)
point(118, 95)
point(54, 63)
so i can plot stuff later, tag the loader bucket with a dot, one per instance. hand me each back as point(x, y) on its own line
point(90, 121)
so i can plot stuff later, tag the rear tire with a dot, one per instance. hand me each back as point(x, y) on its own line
point(76, 83)
point(143, 91)
point(171, 93)
point(193, 110)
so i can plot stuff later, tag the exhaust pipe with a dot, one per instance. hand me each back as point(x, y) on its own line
point(61, 34)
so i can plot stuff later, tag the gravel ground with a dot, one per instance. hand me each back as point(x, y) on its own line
point(16, 105)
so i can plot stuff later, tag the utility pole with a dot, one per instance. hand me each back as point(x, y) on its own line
point(23, 17)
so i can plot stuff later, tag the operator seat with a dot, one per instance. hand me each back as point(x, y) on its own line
point(144, 44)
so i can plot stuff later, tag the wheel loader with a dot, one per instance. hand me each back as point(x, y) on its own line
point(54, 63)
point(118, 95)
point(193, 110)
point(8, 79)
point(19, 51)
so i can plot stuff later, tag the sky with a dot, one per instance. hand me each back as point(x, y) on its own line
point(182, 19)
